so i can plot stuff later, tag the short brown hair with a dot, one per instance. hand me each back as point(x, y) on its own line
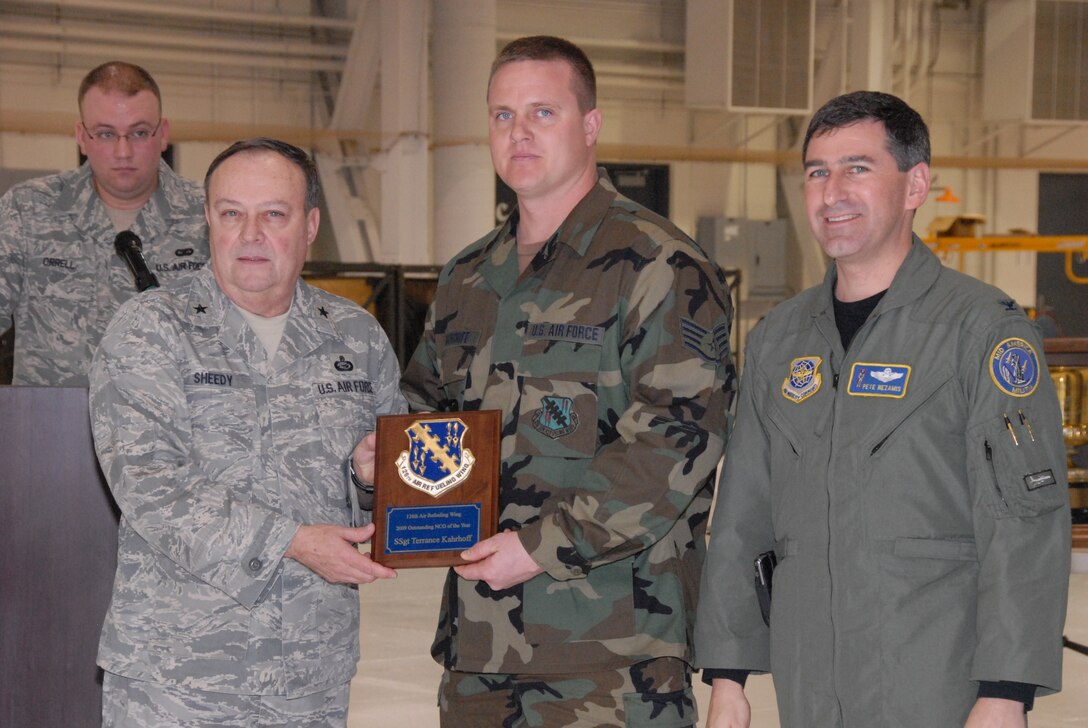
point(550, 48)
point(127, 78)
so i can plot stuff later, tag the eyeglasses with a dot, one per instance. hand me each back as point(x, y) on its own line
point(109, 136)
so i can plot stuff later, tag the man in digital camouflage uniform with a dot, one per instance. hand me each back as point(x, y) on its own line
point(225, 409)
point(60, 277)
point(898, 445)
point(601, 332)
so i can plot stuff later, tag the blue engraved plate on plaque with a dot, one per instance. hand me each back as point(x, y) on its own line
point(418, 529)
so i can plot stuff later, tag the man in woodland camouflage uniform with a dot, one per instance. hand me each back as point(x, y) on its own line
point(225, 409)
point(601, 332)
point(59, 275)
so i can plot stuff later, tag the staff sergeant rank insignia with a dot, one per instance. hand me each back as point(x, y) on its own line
point(710, 345)
point(435, 460)
point(1014, 367)
point(804, 379)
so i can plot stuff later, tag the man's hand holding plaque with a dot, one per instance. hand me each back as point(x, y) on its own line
point(436, 486)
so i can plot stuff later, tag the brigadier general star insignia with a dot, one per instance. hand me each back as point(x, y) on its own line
point(200, 308)
point(323, 312)
point(710, 345)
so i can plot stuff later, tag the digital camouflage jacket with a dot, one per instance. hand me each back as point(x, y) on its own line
point(60, 276)
point(215, 456)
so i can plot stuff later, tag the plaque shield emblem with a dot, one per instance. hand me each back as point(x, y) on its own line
point(436, 459)
point(436, 486)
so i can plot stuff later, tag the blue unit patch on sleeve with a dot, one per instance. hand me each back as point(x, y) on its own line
point(804, 379)
point(868, 379)
point(1014, 367)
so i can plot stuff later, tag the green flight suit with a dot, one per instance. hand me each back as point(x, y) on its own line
point(920, 548)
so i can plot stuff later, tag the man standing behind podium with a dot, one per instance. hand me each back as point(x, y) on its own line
point(601, 332)
point(59, 274)
point(225, 408)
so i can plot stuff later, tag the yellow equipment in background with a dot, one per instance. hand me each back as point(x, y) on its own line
point(958, 234)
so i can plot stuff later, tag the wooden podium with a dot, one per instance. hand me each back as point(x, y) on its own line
point(58, 552)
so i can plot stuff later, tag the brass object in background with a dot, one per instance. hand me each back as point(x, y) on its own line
point(1071, 384)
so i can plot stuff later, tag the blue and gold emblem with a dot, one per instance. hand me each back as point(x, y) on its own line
point(1014, 367)
point(556, 417)
point(804, 379)
point(435, 460)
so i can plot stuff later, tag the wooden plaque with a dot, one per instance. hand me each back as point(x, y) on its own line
point(436, 486)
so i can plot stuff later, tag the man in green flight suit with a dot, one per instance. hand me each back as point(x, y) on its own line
point(898, 446)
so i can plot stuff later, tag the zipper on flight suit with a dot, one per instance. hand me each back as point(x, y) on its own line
point(993, 473)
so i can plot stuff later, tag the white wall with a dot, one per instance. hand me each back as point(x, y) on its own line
point(209, 112)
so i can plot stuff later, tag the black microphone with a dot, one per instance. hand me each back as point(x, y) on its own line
point(129, 247)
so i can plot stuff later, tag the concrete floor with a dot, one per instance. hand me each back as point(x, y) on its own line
point(397, 681)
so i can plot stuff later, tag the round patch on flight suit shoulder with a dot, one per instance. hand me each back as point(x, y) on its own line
point(1014, 367)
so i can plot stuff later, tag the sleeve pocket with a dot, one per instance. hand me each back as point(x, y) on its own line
point(1026, 479)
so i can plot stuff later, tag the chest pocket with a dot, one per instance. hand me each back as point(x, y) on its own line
point(223, 417)
point(786, 452)
point(61, 294)
point(454, 362)
point(558, 406)
point(927, 408)
point(345, 412)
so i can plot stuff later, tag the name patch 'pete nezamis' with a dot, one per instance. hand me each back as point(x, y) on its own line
point(868, 379)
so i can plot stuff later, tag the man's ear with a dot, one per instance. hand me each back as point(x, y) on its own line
point(82, 137)
point(313, 222)
point(591, 122)
point(918, 181)
point(164, 134)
